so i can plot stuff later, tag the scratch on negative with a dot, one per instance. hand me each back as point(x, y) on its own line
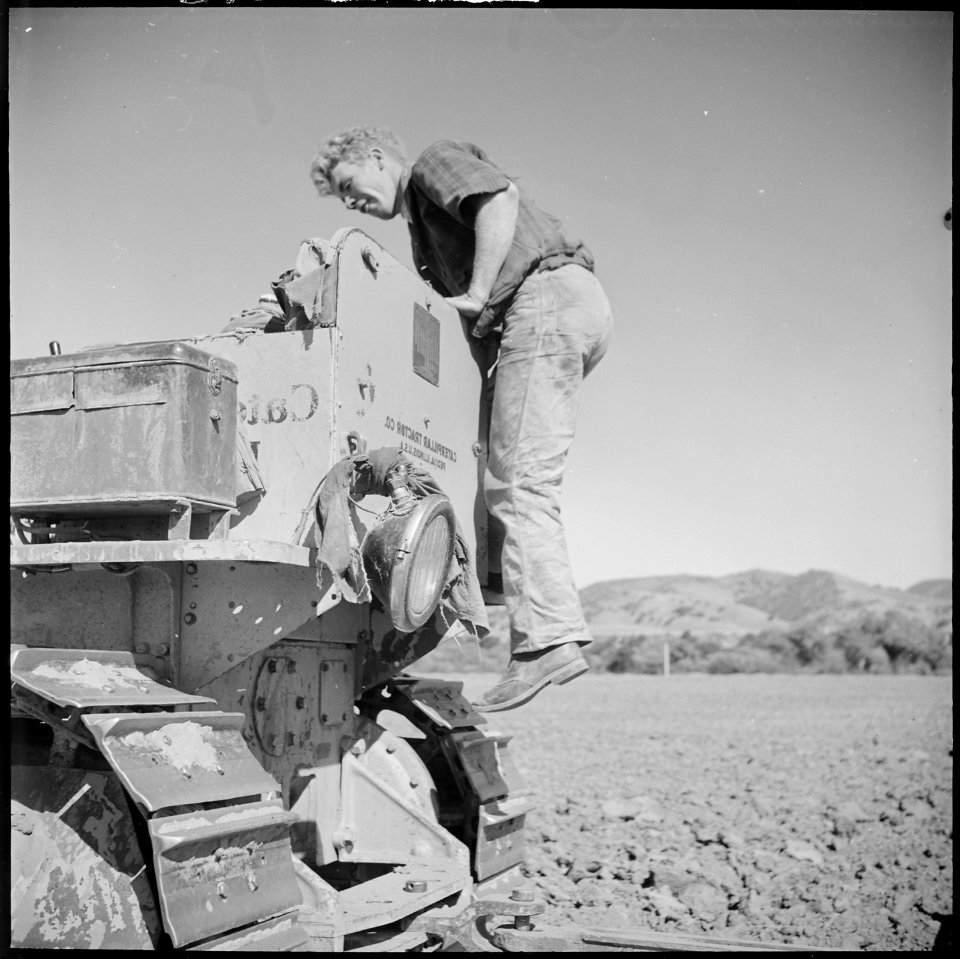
point(184, 127)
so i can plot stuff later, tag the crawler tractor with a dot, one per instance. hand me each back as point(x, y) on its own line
point(226, 551)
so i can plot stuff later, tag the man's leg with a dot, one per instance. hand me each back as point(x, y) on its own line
point(556, 330)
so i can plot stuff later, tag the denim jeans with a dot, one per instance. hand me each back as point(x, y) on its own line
point(555, 331)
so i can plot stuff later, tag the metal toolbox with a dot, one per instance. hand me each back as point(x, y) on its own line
point(119, 429)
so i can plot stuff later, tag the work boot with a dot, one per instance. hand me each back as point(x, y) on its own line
point(527, 673)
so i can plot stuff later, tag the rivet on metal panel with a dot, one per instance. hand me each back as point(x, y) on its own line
point(141, 648)
point(193, 605)
point(231, 604)
point(391, 748)
point(358, 748)
point(192, 569)
point(414, 783)
point(477, 449)
point(163, 649)
point(415, 885)
point(190, 618)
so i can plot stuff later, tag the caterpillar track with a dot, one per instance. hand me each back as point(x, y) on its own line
point(147, 794)
point(219, 861)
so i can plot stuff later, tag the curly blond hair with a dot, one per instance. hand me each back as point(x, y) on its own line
point(351, 145)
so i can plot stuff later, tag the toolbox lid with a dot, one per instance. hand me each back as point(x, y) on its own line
point(129, 354)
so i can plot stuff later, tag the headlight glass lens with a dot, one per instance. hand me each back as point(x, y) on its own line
point(407, 557)
point(428, 568)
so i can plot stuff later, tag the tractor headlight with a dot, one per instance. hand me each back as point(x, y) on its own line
point(407, 557)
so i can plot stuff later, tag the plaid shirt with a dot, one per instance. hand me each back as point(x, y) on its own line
point(442, 228)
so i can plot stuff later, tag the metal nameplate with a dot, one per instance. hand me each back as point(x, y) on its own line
point(426, 345)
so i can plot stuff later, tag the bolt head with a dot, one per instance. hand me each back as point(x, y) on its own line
point(522, 895)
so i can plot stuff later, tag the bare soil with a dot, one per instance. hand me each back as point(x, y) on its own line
point(814, 810)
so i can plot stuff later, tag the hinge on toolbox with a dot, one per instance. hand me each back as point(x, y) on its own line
point(171, 759)
point(220, 869)
point(216, 378)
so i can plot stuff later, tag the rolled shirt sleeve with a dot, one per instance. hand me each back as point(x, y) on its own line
point(443, 178)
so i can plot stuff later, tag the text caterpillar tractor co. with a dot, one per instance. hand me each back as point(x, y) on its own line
point(225, 552)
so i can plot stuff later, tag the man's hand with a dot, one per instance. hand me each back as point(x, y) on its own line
point(466, 305)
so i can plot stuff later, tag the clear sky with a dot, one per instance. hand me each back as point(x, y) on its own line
point(763, 191)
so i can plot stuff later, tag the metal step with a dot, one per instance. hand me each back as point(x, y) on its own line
point(173, 759)
point(224, 868)
point(93, 679)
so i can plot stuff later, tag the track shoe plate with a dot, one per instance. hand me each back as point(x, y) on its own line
point(173, 759)
point(78, 879)
point(219, 869)
point(89, 678)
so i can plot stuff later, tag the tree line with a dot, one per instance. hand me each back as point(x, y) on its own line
point(873, 643)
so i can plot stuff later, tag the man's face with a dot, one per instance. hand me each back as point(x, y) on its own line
point(368, 185)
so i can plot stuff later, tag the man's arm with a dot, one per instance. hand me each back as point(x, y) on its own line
point(496, 220)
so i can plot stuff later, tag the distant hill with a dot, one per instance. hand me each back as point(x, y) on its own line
point(754, 600)
point(934, 588)
point(723, 608)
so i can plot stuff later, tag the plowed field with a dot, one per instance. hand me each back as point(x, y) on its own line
point(815, 810)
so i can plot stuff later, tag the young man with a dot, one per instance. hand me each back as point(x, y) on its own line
point(520, 279)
